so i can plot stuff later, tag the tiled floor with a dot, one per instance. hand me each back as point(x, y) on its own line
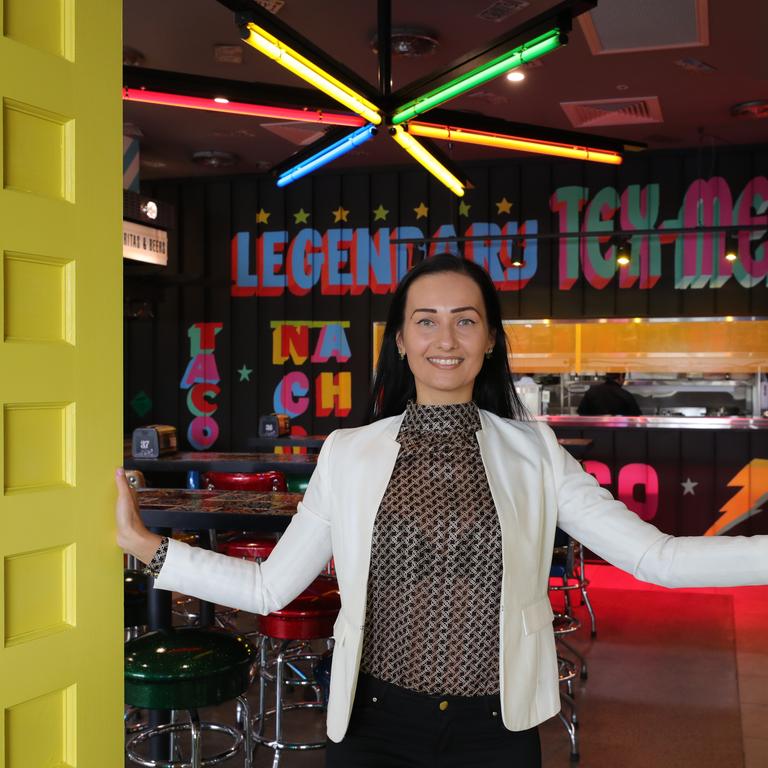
point(611, 733)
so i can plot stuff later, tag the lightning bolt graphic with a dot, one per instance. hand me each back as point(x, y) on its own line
point(752, 479)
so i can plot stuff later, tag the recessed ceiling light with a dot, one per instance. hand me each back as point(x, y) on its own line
point(212, 158)
point(221, 100)
point(515, 76)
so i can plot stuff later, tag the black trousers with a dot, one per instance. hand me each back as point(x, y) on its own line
point(392, 727)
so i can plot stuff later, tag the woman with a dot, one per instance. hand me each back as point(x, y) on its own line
point(441, 515)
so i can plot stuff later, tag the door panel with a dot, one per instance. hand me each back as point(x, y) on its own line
point(60, 383)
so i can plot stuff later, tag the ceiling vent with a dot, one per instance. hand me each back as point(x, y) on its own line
point(626, 26)
point(755, 109)
point(300, 134)
point(502, 9)
point(587, 114)
point(409, 41)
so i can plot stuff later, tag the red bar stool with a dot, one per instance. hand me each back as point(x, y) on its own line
point(264, 482)
point(247, 547)
point(309, 617)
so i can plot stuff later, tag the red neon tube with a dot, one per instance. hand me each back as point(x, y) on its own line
point(307, 115)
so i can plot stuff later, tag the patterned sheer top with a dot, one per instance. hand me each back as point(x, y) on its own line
point(434, 588)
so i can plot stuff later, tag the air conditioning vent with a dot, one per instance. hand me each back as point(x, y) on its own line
point(295, 132)
point(587, 114)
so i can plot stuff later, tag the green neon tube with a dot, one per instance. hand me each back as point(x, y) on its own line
point(498, 66)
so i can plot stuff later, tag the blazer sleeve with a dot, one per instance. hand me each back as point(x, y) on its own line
point(301, 553)
point(589, 514)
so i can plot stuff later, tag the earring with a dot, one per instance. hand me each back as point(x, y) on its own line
point(489, 354)
point(401, 353)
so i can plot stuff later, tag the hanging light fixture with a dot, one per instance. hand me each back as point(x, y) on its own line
point(324, 156)
point(529, 51)
point(428, 159)
point(623, 253)
point(517, 143)
point(731, 246)
point(222, 104)
point(260, 39)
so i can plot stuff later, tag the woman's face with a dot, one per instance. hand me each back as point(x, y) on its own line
point(445, 336)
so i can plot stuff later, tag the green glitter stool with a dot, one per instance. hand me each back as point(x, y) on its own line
point(184, 669)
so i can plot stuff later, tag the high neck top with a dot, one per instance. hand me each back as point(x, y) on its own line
point(440, 420)
point(434, 585)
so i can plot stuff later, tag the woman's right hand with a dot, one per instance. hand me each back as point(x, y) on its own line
point(132, 535)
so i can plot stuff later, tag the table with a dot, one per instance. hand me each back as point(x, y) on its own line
point(184, 461)
point(216, 510)
point(295, 441)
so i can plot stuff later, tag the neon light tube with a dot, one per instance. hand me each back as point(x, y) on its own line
point(271, 47)
point(428, 160)
point(520, 144)
point(241, 108)
point(337, 149)
point(498, 66)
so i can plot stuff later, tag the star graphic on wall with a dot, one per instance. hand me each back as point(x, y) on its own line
point(380, 213)
point(340, 214)
point(688, 486)
point(300, 217)
point(464, 208)
point(421, 211)
point(503, 206)
point(245, 373)
point(262, 217)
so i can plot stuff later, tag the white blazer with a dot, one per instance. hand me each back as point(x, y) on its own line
point(535, 485)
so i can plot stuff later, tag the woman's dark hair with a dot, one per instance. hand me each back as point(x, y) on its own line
point(394, 385)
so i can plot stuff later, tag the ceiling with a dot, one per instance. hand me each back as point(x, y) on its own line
point(695, 105)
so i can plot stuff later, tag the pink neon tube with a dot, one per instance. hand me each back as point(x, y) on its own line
point(307, 115)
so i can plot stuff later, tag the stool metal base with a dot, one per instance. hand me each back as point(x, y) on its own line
point(240, 739)
point(287, 655)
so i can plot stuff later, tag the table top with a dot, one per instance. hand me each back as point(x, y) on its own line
point(183, 461)
point(296, 441)
point(220, 510)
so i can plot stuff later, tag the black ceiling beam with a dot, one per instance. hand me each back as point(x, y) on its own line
point(234, 90)
point(560, 15)
point(247, 10)
point(478, 122)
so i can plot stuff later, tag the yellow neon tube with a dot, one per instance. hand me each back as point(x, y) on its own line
point(270, 46)
point(510, 142)
point(429, 161)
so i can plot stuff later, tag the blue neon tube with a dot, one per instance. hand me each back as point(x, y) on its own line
point(337, 149)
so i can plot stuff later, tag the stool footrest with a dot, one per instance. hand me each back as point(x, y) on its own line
point(161, 730)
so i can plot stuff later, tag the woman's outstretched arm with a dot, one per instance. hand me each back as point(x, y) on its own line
point(301, 553)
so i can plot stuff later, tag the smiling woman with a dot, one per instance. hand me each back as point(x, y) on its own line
point(445, 337)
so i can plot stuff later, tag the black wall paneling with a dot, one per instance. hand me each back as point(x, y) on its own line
point(297, 277)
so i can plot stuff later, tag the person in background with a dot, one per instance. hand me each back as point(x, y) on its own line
point(609, 398)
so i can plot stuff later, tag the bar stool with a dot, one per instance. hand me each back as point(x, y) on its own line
point(135, 587)
point(249, 547)
point(185, 669)
point(568, 568)
point(297, 483)
point(566, 672)
point(562, 625)
point(309, 617)
point(264, 482)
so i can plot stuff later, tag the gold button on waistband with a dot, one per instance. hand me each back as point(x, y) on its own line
point(443, 706)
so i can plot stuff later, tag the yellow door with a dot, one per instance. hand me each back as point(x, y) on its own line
point(60, 383)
